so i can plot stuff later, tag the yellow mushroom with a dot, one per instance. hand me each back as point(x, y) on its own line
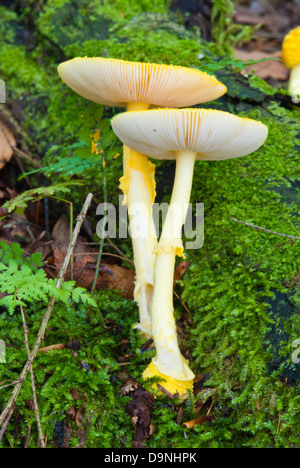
point(185, 135)
point(136, 86)
point(291, 59)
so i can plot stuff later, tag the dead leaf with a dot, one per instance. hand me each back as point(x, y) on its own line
point(61, 237)
point(128, 387)
point(180, 270)
point(140, 409)
point(84, 268)
point(73, 345)
point(3, 212)
point(201, 420)
point(7, 142)
point(57, 346)
point(243, 15)
point(116, 277)
point(61, 435)
point(179, 416)
point(199, 378)
point(268, 69)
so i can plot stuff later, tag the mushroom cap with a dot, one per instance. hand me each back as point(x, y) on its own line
point(211, 134)
point(291, 48)
point(115, 82)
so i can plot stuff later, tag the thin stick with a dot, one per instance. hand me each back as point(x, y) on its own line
point(10, 384)
point(182, 303)
point(48, 312)
point(266, 230)
point(105, 253)
point(35, 402)
point(4, 425)
point(27, 436)
point(109, 244)
point(115, 247)
point(102, 234)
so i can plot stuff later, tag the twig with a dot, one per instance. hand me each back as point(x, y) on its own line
point(182, 303)
point(105, 253)
point(265, 230)
point(108, 244)
point(48, 312)
point(35, 402)
point(4, 425)
point(114, 246)
point(21, 167)
point(10, 384)
point(27, 436)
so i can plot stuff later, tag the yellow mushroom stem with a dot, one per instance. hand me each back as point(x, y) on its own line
point(138, 186)
point(169, 361)
point(294, 82)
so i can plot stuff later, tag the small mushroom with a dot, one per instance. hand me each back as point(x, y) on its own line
point(184, 135)
point(136, 86)
point(291, 59)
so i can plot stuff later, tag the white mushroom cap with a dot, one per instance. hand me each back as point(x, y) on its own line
point(117, 82)
point(212, 134)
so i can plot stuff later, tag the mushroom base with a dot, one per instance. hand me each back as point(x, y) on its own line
point(171, 385)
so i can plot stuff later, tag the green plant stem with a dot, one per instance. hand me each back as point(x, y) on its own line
point(71, 235)
point(103, 226)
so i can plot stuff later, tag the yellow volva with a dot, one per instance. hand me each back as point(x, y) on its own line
point(136, 86)
point(291, 59)
point(185, 135)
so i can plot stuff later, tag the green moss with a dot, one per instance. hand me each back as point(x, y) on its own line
point(231, 278)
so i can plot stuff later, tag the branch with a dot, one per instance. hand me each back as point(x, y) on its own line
point(265, 230)
point(35, 402)
point(4, 426)
point(48, 312)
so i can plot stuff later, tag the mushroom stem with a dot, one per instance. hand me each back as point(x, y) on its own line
point(294, 82)
point(169, 360)
point(138, 186)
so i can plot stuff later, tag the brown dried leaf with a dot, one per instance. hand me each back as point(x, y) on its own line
point(58, 346)
point(140, 409)
point(244, 15)
point(180, 270)
point(128, 387)
point(179, 416)
point(84, 268)
point(3, 212)
point(7, 141)
point(116, 277)
point(201, 420)
point(267, 69)
point(61, 237)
